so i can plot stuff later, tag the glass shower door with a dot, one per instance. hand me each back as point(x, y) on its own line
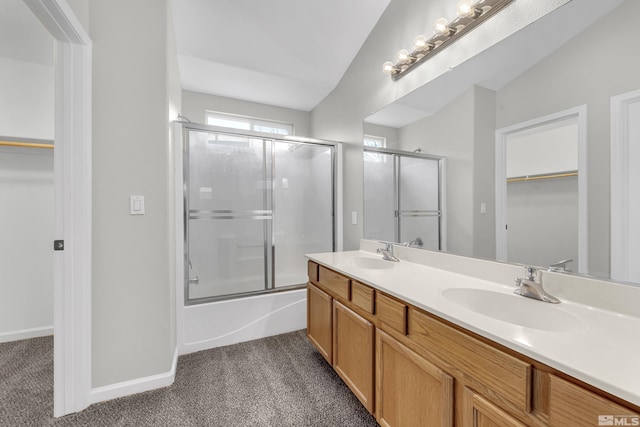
point(379, 196)
point(402, 198)
point(229, 214)
point(303, 208)
point(419, 202)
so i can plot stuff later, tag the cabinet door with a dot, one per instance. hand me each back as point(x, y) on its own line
point(353, 351)
point(572, 405)
point(410, 391)
point(319, 321)
point(479, 412)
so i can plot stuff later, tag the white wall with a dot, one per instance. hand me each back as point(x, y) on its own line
point(547, 149)
point(26, 195)
point(364, 88)
point(572, 76)
point(195, 105)
point(134, 92)
point(26, 270)
point(26, 104)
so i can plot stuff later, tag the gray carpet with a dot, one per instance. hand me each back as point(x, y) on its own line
point(276, 381)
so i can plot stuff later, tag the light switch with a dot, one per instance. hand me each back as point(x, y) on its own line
point(354, 218)
point(483, 208)
point(136, 205)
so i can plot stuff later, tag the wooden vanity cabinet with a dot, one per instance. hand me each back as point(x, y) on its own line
point(353, 346)
point(479, 412)
point(343, 337)
point(411, 368)
point(410, 391)
point(570, 404)
point(320, 321)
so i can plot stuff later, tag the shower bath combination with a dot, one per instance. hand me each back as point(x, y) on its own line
point(253, 206)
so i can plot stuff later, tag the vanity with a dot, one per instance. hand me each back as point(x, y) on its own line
point(426, 346)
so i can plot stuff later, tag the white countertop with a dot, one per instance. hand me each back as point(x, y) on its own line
point(604, 353)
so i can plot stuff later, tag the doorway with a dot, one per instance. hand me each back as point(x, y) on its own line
point(541, 191)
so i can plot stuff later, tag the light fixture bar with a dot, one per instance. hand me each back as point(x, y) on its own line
point(446, 33)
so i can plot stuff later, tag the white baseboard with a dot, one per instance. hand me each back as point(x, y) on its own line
point(23, 334)
point(139, 385)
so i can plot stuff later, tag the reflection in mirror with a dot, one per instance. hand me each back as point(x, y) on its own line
point(541, 191)
point(456, 116)
point(402, 198)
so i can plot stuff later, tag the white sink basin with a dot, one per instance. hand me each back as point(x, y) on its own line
point(515, 309)
point(373, 263)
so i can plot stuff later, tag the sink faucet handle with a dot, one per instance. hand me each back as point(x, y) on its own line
point(560, 265)
point(530, 272)
point(387, 246)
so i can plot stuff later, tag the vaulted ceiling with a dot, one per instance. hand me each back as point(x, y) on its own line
point(288, 53)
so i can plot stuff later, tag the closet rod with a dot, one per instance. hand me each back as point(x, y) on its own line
point(25, 144)
point(538, 177)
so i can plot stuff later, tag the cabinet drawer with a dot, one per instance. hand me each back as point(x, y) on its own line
point(335, 283)
point(572, 405)
point(502, 376)
point(391, 313)
point(362, 296)
point(312, 269)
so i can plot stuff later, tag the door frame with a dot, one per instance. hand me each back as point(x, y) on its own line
point(620, 162)
point(72, 186)
point(501, 180)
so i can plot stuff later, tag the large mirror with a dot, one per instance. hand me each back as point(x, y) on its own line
point(568, 66)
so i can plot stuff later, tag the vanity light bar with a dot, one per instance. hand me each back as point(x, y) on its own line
point(471, 13)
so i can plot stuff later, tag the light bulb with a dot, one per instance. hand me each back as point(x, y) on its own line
point(464, 8)
point(403, 55)
point(388, 68)
point(420, 42)
point(467, 8)
point(441, 27)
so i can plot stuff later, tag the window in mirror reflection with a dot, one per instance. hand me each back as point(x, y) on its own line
point(375, 141)
point(402, 198)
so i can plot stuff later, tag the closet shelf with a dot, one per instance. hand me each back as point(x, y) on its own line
point(24, 144)
point(542, 176)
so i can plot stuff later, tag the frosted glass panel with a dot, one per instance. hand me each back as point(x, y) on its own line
point(379, 196)
point(303, 208)
point(424, 228)
point(401, 199)
point(255, 207)
point(227, 257)
point(226, 172)
point(418, 184)
point(229, 215)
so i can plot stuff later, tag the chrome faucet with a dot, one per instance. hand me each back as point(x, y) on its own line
point(530, 288)
point(560, 266)
point(387, 252)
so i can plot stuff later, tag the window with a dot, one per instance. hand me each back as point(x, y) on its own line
point(374, 141)
point(248, 123)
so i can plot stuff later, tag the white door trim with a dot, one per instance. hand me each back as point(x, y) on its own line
point(72, 182)
point(620, 257)
point(501, 180)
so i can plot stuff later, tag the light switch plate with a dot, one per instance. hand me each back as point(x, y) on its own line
point(136, 205)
